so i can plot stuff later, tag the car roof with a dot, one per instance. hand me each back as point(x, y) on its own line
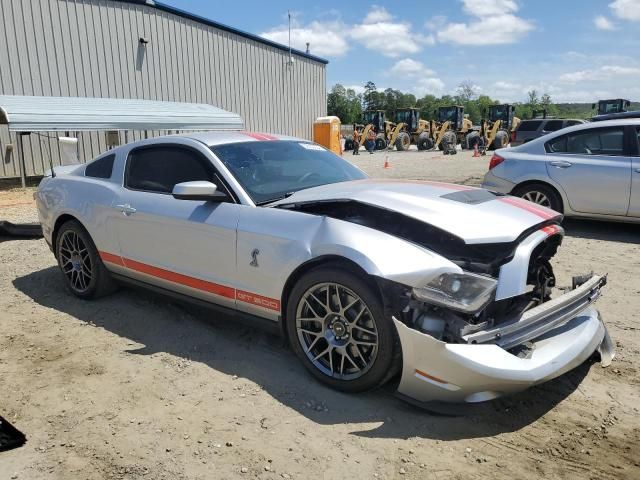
point(583, 126)
point(221, 137)
point(549, 119)
point(214, 137)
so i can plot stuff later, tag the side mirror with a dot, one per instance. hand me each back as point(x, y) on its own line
point(198, 190)
point(593, 106)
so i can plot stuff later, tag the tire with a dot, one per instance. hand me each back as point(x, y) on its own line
point(541, 194)
point(449, 140)
point(381, 142)
point(424, 142)
point(501, 140)
point(84, 273)
point(403, 142)
point(377, 363)
point(348, 144)
point(472, 140)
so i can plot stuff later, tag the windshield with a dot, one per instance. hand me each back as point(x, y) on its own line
point(272, 170)
point(499, 112)
point(404, 116)
point(447, 113)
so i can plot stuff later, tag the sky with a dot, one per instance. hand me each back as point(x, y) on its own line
point(574, 50)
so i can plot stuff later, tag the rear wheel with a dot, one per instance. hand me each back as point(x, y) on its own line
point(348, 144)
point(472, 140)
point(78, 258)
point(381, 142)
point(337, 327)
point(501, 140)
point(540, 194)
point(424, 142)
point(448, 142)
point(403, 142)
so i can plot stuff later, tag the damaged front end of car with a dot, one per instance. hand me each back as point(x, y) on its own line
point(473, 337)
point(491, 327)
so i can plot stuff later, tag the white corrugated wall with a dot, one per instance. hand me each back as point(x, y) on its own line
point(91, 48)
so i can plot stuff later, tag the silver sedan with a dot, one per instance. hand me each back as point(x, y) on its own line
point(590, 170)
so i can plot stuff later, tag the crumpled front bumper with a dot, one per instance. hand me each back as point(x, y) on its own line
point(438, 371)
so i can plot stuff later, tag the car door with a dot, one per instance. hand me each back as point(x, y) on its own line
point(593, 168)
point(187, 246)
point(634, 203)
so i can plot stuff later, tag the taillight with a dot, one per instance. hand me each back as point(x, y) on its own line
point(495, 161)
point(513, 135)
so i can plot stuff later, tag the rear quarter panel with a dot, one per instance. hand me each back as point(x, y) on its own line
point(89, 200)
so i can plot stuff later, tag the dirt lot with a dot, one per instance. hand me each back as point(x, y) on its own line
point(135, 386)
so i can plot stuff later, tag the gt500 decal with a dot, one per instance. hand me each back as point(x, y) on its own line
point(266, 302)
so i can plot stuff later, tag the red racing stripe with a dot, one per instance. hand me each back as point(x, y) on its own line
point(551, 229)
point(259, 136)
point(111, 258)
point(541, 212)
point(197, 283)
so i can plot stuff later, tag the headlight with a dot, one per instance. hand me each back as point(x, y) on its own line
point(465, 292)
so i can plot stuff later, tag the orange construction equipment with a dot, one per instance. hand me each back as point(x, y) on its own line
point(326, 132)
point(386, 162)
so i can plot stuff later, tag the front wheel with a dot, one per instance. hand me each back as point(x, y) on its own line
point(337, 327)
point(78, 258)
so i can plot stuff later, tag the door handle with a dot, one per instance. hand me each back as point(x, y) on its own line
point(561, 164)
point(126, 209)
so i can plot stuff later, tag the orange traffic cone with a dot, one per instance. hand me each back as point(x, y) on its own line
point(386, 162)
point(475, 151)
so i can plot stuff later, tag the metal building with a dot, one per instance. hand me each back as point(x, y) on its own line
point(142, 49)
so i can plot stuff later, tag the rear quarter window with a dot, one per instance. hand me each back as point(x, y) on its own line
point(529, 125)
point(100, 168)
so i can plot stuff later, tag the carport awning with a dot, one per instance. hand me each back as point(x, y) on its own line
point(31, 114)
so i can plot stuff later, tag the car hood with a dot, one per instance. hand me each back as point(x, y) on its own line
point(473, 214)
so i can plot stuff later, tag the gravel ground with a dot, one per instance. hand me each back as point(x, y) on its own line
point(134, 386)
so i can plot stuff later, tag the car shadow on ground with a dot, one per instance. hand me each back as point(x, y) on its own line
point(162, 325)
point(600, 230)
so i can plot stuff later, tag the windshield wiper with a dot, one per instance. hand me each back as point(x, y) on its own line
point(281, 197)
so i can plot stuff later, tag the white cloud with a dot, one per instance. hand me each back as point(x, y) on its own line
point(410, 67)
point(603, 23)
point(626, 9)
point(427, 85)
point(377, 14)
point(325, 38)
point(381, 33)
point(606, 72)
point(495, 23)
point(487, 8)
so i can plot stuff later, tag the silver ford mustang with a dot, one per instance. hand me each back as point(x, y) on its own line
point(447, 288)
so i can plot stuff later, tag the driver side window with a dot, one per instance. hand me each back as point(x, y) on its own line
point(159, 168)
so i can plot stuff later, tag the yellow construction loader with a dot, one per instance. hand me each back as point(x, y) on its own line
point(496, 129)
point(372, 120)
point(409, 130)
point(450, 128)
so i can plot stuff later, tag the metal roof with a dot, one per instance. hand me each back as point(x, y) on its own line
point(221, 26)
point(30, 114)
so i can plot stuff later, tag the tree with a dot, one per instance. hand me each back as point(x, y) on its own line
point(372, 99)
point(344, 104)
point(466, 92)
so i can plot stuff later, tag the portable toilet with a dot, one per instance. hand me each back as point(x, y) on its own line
point(326, 132)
